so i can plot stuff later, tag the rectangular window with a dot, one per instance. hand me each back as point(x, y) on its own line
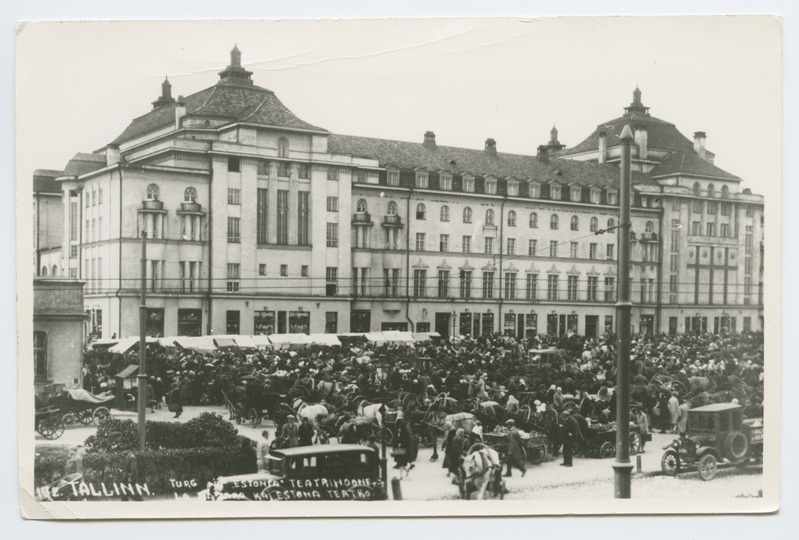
point(303, 218)
point(595, 196)
point(73, 272)
point(155, 274)
point(392, 178)
point(233, 196)
point(724, 230)
point(573, 250)
point(391, 278)
point(232, 322)
point(488, 284)
point(532, 247)
point(233, 234)
point(331, 322)
point(443, 283)
point(553, 248)
point(510, 286)
point(552, 287)
point(711, 229)
point(466, 283)
point(610, 289)
point(468, 184)
point(747, 265)
point(467, 244)
point(420, 241)
point(611, 251)
point(445, 182)
point(675, 204)
point(233, 164)
point(511, 249)
point(651, 290)
point(675, 239)
point(576, 194)
point(673, 283)
point(725, 209)
point(673, 263)
point(40, 355)
point(696, 228)
point(572, 288)
point(303, 171)
point(748, 240)
point(489, 246)
point(332, 204)
point(419, 283)
point(332, 174)
point(283, 216)
point(233, 274)
point(261, 269)
point(750, 211)
point(612, 197)
point(593, 287)
point(554, 193)
point(697, 206)
point(592, 249)
point(443, 243)
point(490, 186)
point(531, 291)
point(332, 235)
point(304, 270)
point(711, 208)
point(421, 180)
point(73, 222)
point(331, 281)
point(535, 191)
point(261, 221)
point(282, 169)
point(264, 323)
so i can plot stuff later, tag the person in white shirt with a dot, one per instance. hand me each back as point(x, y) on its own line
point(477, 429)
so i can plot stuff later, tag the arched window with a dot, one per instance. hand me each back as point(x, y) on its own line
point(611, 223)
point(594, 224)
point(190, 195)
point(282, 147)
point(650, 227)
point(489, 217)
point(725, 192)
point(360, 206)
point(575, 223)
point(467, 215)
point(43, 273)
point(533, 220)
point(445, 213)
point(153, 192)
point(421, 211)
point(55, 271)
point(392, 208)
point(511, 219)
point(711, 190)
point(697, 189)
point(553, 222)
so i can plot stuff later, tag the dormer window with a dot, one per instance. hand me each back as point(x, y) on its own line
point(468, 184)
point(283, 147)
point(513, 188)
point(535, 190)
point(595, 196)
point(190, 195)
point(554, 192)
point(576, 194)
point(421, 180)
point(491, 186)
point(612, 197)
point(445, 182)
point(392, 178)
point(153, 192)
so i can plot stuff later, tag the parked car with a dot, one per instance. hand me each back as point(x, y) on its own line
point(327, 472)
point(715, 433)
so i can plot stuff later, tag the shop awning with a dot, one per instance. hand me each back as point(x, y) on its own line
point(245, 342)
point(198, 343)
point(376, 337)
point(396, 336)
point(128, 372)
point(225, 342)
point(261, 341)
point(324, 339)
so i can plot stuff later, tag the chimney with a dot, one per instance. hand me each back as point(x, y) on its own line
point(543, 153)
point(641, 139)
point(112, 154)
point(180, 111)
point(699, 143)
point(491, 147)
point(603, 146)
point(429, 140)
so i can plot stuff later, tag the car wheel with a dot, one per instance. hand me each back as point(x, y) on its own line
point(670, 463)
point(707, 467)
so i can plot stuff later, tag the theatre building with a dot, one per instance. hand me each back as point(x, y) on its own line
point(258, 222)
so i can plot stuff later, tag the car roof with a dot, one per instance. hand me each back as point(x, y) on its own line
point(717, 407)
point(320, 449)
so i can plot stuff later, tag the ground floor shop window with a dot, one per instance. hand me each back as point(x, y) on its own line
point(488, 324)
point(465, 326)
point(509, 324)
point(423, 327)
point(40, 355)
point(747, 324)
point(190, 322)
point(395, 327)
point(572, 323)
point(281, 322)
point(530, 325)
point(232, 320)
point(331, 322)
point(155, 322)
point(264, 323)
point(672, 326)
point(299, 322)
point(609, 324)
point(360, 320)
point(591, 324)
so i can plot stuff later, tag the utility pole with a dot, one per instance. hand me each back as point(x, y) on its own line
point(142, 377)
point(622, 468)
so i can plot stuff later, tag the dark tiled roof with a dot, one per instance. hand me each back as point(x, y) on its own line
point(660, 134)
point(44, 181)
point(405, 155)
point(83, 163)
point(251, 104)
point(689, 162)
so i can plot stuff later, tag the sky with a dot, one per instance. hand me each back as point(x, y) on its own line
point(80, 84)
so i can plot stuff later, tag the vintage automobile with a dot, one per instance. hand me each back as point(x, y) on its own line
point(715, 433)
point(328, 472)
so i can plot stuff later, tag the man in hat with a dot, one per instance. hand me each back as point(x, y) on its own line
point(289, 432)
point(515, 457)
point(571, 432)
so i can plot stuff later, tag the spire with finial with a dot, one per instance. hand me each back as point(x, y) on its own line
point(636, 106)
point(554, 143)
point(234, 73)
point(166, 94)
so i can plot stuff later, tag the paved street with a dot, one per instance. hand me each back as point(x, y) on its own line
point(589, 478)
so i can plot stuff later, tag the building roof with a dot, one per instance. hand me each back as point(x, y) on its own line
point(406, 155)
point(689, 162)
point(44, 181)
point(83, 163)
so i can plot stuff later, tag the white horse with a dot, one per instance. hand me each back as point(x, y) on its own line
point(311, 412)
point(479, 469)
point(371, 411)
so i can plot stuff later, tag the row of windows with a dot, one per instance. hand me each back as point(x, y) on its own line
point(510, 247)
point(711, 190)
point(710, 230)
point(93, 197)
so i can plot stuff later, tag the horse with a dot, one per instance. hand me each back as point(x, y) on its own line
point(312, 412)
point(325, 389)
point(370, 411)
point(480, 472)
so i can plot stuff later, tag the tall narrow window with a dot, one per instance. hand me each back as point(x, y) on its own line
point(592, 288)
point(282, 216)
point(233, 196)
point(531, 292)
point(303, 217)
point(511, 247)
point(40, 355)
point(421, 211)
point(489, 217)
point(553, 248)
point(443, 244)
point(233, 275)
point(510, 286)
point(233, 164)
point(553, 222)
point(466, 244)
point(153, 192)
point(190, 195)
point(532, 247)
point(466, 283)
point(332, 235)
point(511, 219)
point(489, 246)
point(283, 147)
point(419, 283)
point(233, 234)
point(533, 220)
point(488, 284)
point(445, 213)
point(467, 215)
point(443, 283)
point(261, 221)
point(420, 241)
point(610, 289)
point(594, 225)
point(331, 281)
point(572, 288)
point(575, 223)
point(552, 287)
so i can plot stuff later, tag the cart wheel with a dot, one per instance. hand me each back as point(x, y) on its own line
point(387, 436)
point(44, 428)
point(707, 467)
point(570, 406)
point(670, 463)
point(607, 449)
point(85, 416)
point(538, 454)
point(635, 443)
point(254, 418)
point(100, 414)
point(52, 428)
point(69, 419)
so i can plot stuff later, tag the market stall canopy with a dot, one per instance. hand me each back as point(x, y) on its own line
point(425, 336)
point(245, 342)
point(128, 372)
point(376, 337)
point(286, 340)
point(167, 341)
point(225, 342)
point(127, 343)
point(325, 339)
point(261, 341)
point(395, 336)
point(197, 343)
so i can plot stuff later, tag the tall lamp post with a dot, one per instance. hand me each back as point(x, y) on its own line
point(142, 377)
point(622, 468)
point(382, 375)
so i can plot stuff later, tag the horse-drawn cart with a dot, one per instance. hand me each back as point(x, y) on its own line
point(599, 440)
point(534, 444)
point(78, 405)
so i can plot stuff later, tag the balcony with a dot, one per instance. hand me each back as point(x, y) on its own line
point(649, 237)
point(392, 221)
point(155, 205)
point(362, 218)
point(190, 208)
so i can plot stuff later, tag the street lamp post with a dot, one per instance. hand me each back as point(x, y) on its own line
point(142, 377)
point(622, 468)
point(383, 377)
